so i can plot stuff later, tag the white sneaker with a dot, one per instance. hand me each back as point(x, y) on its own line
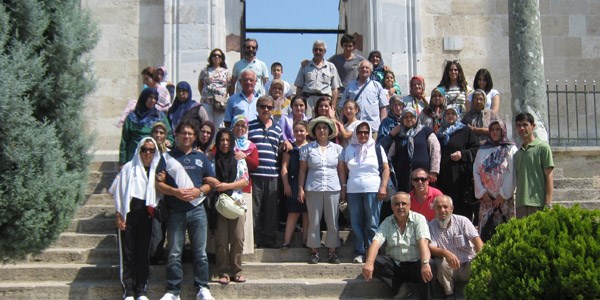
point(204, 294)
point(142, 298)
point(129, 298)
point(170, 296)
point(358, 259)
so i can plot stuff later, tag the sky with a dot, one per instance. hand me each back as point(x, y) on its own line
point(291, 49)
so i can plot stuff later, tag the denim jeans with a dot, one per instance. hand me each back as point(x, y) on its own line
point(364, 216)
point(196, 222)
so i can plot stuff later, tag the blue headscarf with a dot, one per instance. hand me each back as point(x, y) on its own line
point(179, 108)
point(447, 130)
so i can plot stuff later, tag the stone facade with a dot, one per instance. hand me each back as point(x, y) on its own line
point(414, 36)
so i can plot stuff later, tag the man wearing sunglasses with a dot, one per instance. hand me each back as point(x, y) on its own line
point(318, 78)
point(422, 195)
point(249, 62)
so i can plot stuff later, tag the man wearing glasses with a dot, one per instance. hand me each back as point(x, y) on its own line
point(249, 62)
point(422, 195)
point(267, 136)
point(318, 78)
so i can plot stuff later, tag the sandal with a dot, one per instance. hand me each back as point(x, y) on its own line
point(224, 280)
point(239, 279)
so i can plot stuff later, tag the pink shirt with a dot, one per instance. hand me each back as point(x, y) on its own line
point(426, 208)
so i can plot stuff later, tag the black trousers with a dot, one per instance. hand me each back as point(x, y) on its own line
point(135, 246)
point(394, 275)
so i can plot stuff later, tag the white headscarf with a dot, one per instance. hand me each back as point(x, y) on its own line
point(133, 181)
point(362, 149)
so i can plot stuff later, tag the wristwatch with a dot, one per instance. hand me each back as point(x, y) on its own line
point(425, 261)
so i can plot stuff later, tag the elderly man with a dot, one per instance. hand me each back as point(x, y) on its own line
point(318, 78)
point(422, 195)
point(451, 238)
point(369, 95)
point(407, 256)
point(249, 62)
point(244, 102)
point(267, 136)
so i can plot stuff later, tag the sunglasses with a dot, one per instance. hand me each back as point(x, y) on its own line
point(267, 107)
point(420, 179)
point(250, 47)
point(217, 55)
point(318, 49)
point(147, 150)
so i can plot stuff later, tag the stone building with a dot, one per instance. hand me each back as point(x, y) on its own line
point(414, 36)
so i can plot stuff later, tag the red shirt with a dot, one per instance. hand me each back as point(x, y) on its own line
point(426, 208)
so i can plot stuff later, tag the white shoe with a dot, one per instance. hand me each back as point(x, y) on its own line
point(358, 259)
point(129, 298)
point(170, 296)
point(204, 294)
point(142, 298)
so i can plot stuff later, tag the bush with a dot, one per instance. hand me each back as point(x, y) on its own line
point(43, 145)
point(554, 254)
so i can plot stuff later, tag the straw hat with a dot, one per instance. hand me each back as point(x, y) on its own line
point(326, 120)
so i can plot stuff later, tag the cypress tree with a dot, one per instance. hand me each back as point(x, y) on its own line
point(47, 72)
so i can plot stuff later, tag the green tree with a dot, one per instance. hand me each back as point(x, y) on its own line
point(554, 254)
point(45, 62)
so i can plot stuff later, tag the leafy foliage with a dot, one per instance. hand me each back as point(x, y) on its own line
point(554, 254)
point(43, 147)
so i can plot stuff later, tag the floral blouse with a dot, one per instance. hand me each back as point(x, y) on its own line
point(215, 82)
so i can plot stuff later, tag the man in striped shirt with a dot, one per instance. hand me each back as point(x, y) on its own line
point(267, 136)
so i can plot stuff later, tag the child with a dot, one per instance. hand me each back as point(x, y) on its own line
point(350, 110)
point(277, 71)
point(290, 166)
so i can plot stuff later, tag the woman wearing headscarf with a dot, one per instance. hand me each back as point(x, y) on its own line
point(282, 104)
point(231, 177)
point(394, 118)
point(135, 199)
point(204, 142)
point(416, 100)
point(138, 124)
point(415, 146)
point(479, 118)
point(431, 116)
point(458, 147)
point(366, 188)
point(183, 102)
point(493, 174)
point(246, 150)
point(379, 67)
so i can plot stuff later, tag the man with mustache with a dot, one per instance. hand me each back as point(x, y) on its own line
point(249, 62)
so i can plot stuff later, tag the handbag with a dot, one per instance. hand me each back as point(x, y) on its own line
point(495, 218)
point(228, 207)
point(219, 102)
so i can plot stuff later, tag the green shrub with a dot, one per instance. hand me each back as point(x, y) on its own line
point(554, 254)
point(45, 65)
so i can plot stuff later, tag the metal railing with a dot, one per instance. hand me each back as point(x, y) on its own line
point(573, 114)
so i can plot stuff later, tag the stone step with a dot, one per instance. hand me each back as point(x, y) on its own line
point(587, 204)
point(576, 183)
point(319, 288)
point(100, 272)
point(100, 199)
point(103, 166)
point(95, 211)
point(80, 240)
point(100, 224)
point(576, 194)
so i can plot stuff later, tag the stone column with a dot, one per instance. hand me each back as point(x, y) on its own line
point(527, 81)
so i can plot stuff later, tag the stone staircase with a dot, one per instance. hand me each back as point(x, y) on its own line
point(83, 262)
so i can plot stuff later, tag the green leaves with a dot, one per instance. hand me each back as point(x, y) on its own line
point(554, 254)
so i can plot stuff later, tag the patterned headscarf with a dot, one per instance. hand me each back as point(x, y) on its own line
point(241, 143)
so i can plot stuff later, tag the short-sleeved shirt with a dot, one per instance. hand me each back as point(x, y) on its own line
point(530, 163)
point(258, 66)
point(322, 79)
point(456, 238)
point(426, 208)
point(363, 177)
point(184, 171)
point(238, 104)
point(403, 246)
point(347, 68)
point(267, 141)
point(322, 174)
point(370, 100)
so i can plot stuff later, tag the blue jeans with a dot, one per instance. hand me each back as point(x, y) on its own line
point(196, 222)
point(364, 216)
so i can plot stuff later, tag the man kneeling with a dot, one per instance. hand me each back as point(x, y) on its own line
point(450, 236)
point(407, 251)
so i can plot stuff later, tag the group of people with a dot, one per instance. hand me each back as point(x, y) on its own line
point(346, 135)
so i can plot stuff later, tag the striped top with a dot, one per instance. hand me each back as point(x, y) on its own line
point(267, 141)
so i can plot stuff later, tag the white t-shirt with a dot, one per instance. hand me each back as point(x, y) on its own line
point(364, 177)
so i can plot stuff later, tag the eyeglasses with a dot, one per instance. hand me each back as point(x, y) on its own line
point(267, 107)
point(362, 132)
point(318, 49)
point(420, 179)
point(147, 150)
point(217, 55)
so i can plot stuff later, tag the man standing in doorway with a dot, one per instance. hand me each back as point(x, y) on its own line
point(318, 78)
point(534, 168)
point(249, 62)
